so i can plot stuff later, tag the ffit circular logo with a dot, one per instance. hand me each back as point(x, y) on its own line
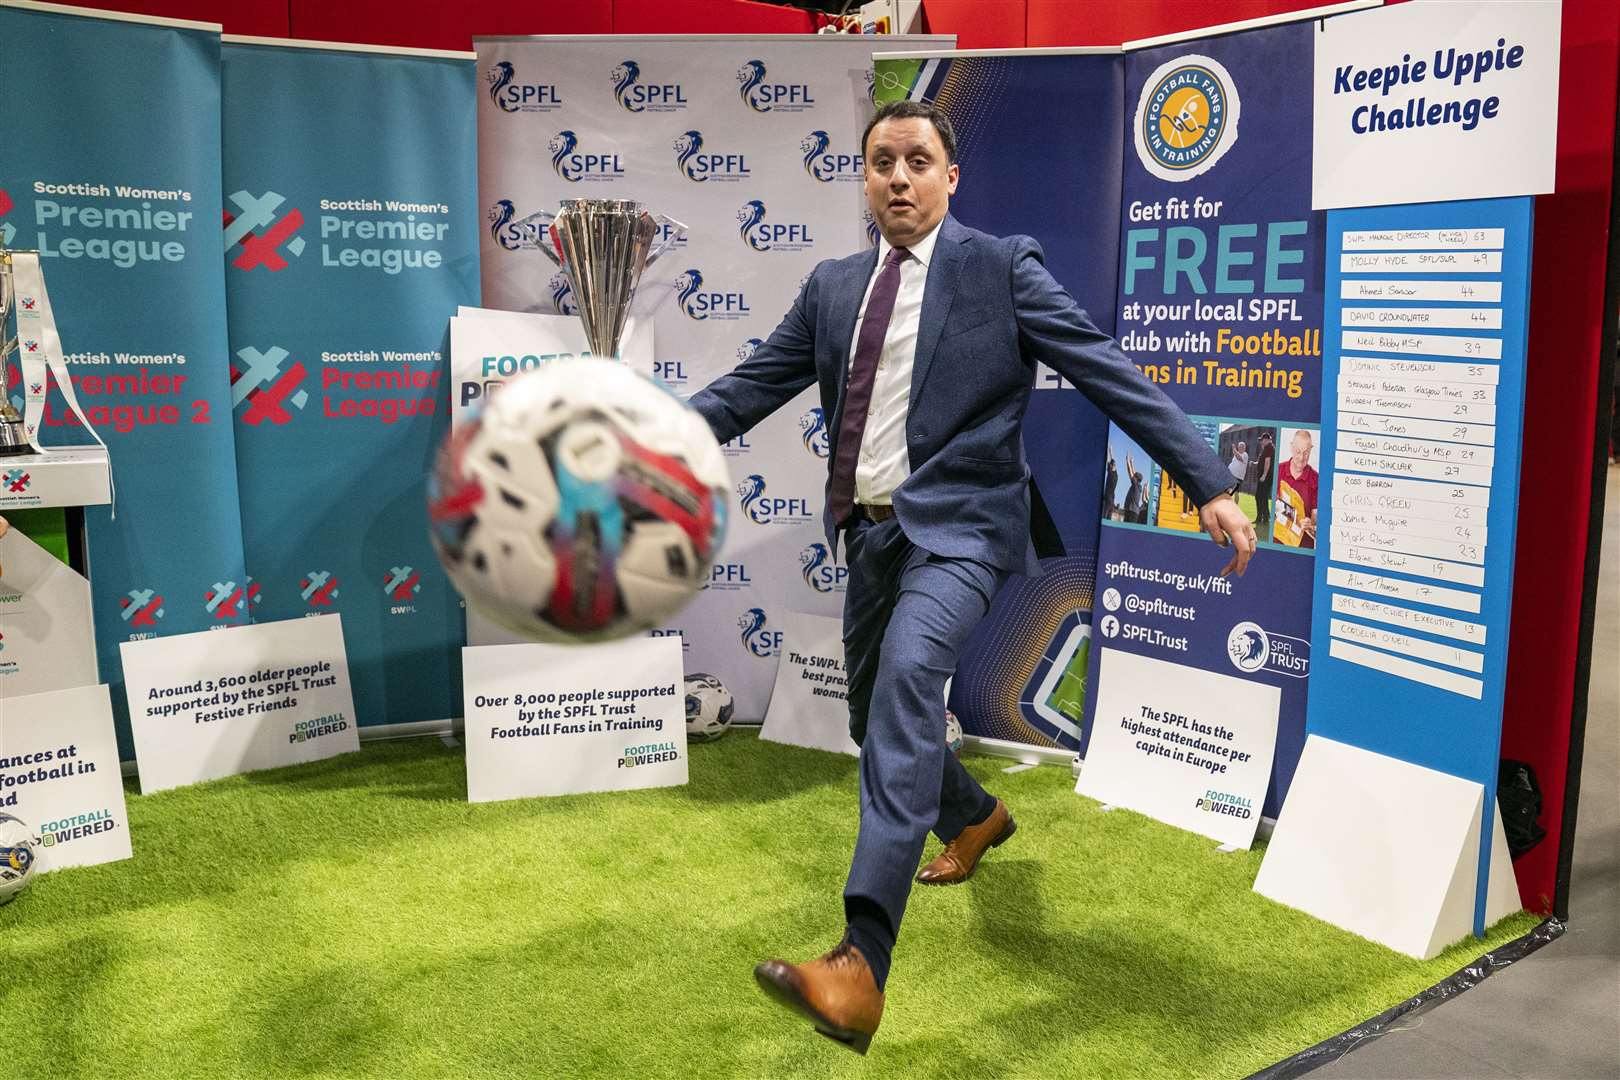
point(1186, 118)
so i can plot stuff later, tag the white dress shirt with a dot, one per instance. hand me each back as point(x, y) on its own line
point(884, 462)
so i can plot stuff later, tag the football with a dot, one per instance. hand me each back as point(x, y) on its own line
point(584, 502)
point(708, 707)
point(953, 733)
point(18, 852)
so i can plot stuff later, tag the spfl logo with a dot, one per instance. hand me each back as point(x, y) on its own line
point(870, 224)
point(15, 481)
point(635, 96)
point(141, 607)
point(745, 351)
point(728, 577)
point(755, 637)
point(763, 509)
point(698, 166)
point(813, 430)
point(820, 572)
point(762, 96)
point(1248, 647)
point(700, 303)
point(262, 389)
point(1186, 118)
point(562, 294)
point(506, 232)
point(826, 166)
point(575, 167)
point(318, 588)
point(261, 233)
point(511, 96)
point(762, 235)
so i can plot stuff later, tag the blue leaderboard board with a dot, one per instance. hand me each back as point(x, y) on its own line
point(1422, 417)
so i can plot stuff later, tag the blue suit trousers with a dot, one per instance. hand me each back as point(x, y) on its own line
point(907, 615)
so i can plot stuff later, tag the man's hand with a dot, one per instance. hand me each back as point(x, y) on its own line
point(1226, 524)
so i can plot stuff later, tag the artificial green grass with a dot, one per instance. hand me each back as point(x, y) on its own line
point(357, 917)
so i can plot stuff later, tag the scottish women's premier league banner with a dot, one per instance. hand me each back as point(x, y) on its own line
point(1022, 677)
point(753, 144)
point(1220, 303)
point(349, 230)
point(112, 173)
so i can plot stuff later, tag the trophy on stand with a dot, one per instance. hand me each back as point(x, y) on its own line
point(603, 245)
point(13, 438)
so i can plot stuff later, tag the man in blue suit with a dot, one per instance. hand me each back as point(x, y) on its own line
point(925, 353)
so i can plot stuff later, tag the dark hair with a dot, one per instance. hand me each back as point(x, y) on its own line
point(907, 110)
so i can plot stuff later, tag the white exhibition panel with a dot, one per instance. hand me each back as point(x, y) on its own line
point(1430, 101)
point(1187, 747)
point(1385, 849)
point(47, 638)
point(565, 719)
point(217, 703)
point(59, 775)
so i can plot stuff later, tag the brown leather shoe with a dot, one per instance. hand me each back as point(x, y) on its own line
point(961, 856)
point(836, 993)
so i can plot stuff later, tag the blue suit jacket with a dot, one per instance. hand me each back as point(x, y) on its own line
point(990, 311)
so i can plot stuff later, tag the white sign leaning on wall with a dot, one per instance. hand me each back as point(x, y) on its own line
point(59, 775)
point(564, 719)
point(218, 703)
point(1432, 102)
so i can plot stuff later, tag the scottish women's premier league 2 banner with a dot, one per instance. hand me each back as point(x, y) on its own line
point(1022, 676)
point(1220, 303)
point(114, 177)
point(350, 233)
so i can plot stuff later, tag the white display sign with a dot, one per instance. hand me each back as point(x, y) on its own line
point(47, 639)
point(59, 775)
point(222, 702)
point(488, 347)
point(564, 719)
point(1190, 748)
point(809, 705)
point(1385, 849)
point(1433, 101)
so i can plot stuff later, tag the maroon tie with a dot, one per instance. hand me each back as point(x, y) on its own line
point(862, 374)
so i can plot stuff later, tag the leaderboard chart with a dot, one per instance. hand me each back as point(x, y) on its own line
point(1422, 416)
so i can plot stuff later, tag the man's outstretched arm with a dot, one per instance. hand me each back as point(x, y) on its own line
point(1053, 329)
point(782, 365)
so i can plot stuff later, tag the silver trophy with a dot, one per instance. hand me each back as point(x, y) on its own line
point(13, 437)
point(603, 246)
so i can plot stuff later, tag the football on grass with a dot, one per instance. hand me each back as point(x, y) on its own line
point(708, 707)
point(18, 851)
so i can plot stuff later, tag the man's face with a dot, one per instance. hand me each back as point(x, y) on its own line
point(1301, 447)
point(909, 183)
